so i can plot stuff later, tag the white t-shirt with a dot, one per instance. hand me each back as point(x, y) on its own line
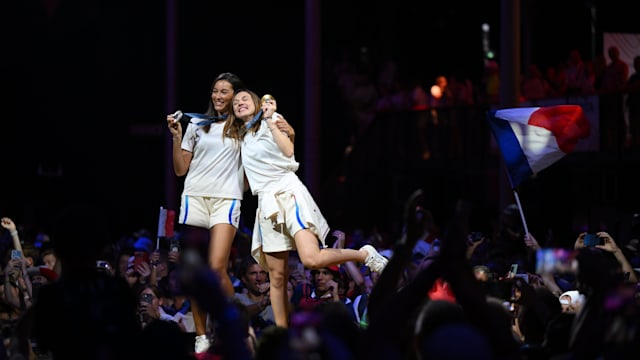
point(264, 163)
point(215, 169)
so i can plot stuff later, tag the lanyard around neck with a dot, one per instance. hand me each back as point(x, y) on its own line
point(204, 119)
point(257, 117)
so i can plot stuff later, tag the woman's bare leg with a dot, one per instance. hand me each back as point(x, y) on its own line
point(278, 263)
point(222, 236)
point(314, 258)
point(199, 318)
point(220, 241)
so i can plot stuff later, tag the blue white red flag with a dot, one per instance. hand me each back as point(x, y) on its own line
point(532, 138)
point(162, 222)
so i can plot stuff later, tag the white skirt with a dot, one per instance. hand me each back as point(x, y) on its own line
point(281, 214)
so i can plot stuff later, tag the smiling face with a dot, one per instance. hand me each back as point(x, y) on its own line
point(221, 96)
point(243, 106)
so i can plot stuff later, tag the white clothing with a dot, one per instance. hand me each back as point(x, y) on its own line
point(281, 214)
point(263, 161)
point(214, 184)
point(186, 319)
point(163, 315)
point(285, 205)
point(575, 298)
point(206, 212)
point(215, 169)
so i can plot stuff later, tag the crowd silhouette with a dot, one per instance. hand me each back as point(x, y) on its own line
point(442, 288)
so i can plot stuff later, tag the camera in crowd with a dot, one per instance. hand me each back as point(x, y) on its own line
point(592, 240)
point(174, 245)
point(104, 266)
point(146, 297)
point(476, 236)
point(16, 254)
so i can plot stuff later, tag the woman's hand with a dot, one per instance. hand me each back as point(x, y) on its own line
point(173, 123)
point(269, 106)
point(608, 243)
point(8, 224)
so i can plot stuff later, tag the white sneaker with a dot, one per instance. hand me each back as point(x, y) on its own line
point(375, 262)
point(202, 344)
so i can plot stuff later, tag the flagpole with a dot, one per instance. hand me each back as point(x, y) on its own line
point(515, 195)
point(524, 222)
point(162, 218)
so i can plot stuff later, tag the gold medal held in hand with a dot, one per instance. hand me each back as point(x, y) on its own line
point(268, 98)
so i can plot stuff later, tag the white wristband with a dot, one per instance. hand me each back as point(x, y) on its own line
point(14, 233)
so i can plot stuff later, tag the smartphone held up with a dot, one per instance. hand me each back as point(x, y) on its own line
point(592, 240)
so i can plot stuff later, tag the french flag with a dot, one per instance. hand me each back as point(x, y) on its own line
point(532, 138)
point(166, 223)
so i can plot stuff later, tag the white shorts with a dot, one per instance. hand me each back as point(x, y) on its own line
point(205, 212)
point(280, 216)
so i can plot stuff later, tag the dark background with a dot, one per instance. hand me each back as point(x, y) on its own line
point(86, 82)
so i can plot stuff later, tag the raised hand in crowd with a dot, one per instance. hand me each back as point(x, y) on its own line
point(144, 269)
point(388, 281)
point(17, 289)
point(8, 224)
point(603, 328)
point(608, 244)
point(531, 242)
point(478, 312)
point(147, 309)
point(364, 284)
point(390, 308)
point(174, 255)
point(150, 301)
point(154, 259)
point(474, 239)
